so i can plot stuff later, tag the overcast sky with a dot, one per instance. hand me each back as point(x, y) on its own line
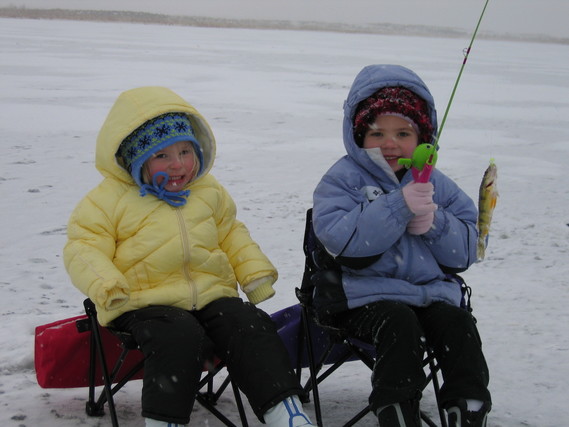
point(545, 17)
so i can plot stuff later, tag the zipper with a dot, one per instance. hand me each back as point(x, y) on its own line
point(186, 258)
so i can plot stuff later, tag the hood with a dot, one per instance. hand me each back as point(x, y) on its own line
point(132, 109)
point(369, 80)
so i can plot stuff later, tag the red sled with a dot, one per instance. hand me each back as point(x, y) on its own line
point(63, 352)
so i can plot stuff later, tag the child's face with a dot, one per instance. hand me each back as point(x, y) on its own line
point(178, 160)
point(396, 138)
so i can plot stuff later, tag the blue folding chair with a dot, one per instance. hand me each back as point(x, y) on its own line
point(322, 348)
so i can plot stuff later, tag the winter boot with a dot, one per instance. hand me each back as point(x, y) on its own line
point(150, 422)
point(288, 413)
point(460, 416)
point(401, 414)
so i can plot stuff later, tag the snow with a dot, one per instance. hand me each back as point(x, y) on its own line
point(274, 100)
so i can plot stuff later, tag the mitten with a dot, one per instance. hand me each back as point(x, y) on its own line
point(112, 295)
point(260, 290)
point(420, 224)
point(419, 197)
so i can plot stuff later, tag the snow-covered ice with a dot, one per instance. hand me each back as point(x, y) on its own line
point(274, 100)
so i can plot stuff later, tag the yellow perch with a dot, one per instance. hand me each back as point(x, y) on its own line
point(487, 199)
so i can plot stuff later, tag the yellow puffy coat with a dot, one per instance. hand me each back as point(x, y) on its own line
point(126, 252)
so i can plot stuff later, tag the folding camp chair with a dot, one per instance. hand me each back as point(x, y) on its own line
point(326, 345)
point(99, 365)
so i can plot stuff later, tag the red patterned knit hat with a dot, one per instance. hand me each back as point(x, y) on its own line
point(398, 101)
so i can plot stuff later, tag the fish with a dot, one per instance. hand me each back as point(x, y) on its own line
point(487, 200)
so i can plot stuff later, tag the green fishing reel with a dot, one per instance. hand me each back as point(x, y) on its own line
point(423, 154)
point(422, 163)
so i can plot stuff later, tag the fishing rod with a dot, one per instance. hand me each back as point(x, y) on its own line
point(425, 155)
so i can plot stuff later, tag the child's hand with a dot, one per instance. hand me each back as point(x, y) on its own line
point(419, 197)
point(112, 295)
point(421, 224)
point(260, 290)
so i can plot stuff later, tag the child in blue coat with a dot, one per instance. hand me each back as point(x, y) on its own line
point(397, 240)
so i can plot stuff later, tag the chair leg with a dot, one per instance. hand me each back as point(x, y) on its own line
point(100, 404)
point(427, 420)
point(315, 368)
point(240, 407)
point(211, 408)
point(209, 398)
point(299, 357)
point(311, 365)
point(96, 340)
point(358, 417)
point(434, 367)
point(91, 408)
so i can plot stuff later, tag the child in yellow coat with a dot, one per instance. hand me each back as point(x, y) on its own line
point(157, 247)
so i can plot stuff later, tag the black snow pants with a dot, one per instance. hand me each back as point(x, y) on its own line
point(175, 341)
point(398, 333)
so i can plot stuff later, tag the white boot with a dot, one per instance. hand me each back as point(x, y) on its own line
point(288, 413)
point(150, 422)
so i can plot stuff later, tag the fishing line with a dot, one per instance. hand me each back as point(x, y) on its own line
point(466, 53)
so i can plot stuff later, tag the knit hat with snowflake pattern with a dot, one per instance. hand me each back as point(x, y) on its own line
point(153, 136)
point(397, 101)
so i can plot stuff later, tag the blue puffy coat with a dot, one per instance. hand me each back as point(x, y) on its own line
point(360, 214)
